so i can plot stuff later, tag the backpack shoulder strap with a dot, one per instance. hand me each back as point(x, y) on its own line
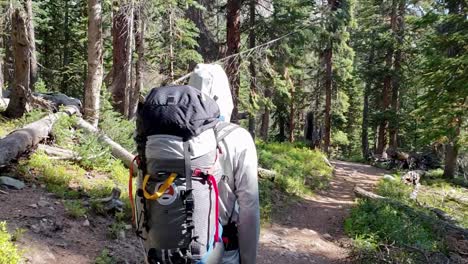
point(223, 129)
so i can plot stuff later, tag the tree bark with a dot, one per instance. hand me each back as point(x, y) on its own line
point(8, 66)
point(233, 47)
point(22, 140)
point(121, 53)
point(207, 45)
point(264, 129)
point(66, 45)
point(32, 45)
point(2, 79)
point(365, 123)
point(252, 70)
point(171, 44)
point(282, 129)
point(365, 111)
point(140, 26)
point(95, 62)
point(292, 109)
point(451, 152)
point(20, 95)
point(387, 89)
point(400, 34)
point(328, 57)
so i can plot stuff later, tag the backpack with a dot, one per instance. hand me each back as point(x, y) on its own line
point(177, 201)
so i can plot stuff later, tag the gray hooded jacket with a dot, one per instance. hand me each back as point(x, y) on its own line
point(239, 187)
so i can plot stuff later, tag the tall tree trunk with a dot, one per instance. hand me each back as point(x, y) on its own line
point(400, 33)
point(282, 129)
point(20, 94)
point(129, 63)
point(207, 45)
point(328, 57)
point(264, 129)
point(32, 45)
point(365, 111)
point(66, 45)
point(121, 53)
point(292, 109)
point(386, 91)
point(171, 44)
point(140, 26)
point(233, 47)
point(451, 155)
point(95, 62)
point(252, 70)
point(2, 79)
point(365, 123)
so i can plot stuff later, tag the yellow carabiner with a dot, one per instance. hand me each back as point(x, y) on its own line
point(161, 190)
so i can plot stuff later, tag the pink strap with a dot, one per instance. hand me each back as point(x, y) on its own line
point(212, 179)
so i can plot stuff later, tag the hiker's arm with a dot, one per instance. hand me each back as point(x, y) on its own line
point(247, 198)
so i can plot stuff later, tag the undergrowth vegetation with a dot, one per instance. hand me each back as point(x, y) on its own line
point(299, 171)
point(9, 254)
point(384, 231)
point(8, 125)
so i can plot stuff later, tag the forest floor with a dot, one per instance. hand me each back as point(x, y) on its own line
point(50, 235)
point(310, 230)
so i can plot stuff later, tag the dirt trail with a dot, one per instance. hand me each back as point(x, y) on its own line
point(311, 230)
point(308, 231)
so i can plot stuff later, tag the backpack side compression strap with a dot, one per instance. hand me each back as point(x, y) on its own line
point(223, 129)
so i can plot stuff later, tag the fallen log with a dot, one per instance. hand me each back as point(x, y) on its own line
point(21, 140)
point(266, 174)
point(437, 223)
point(117, 150)
point(59, 153)
point(49, 101)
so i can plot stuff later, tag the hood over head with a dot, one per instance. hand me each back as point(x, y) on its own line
point(213, 82)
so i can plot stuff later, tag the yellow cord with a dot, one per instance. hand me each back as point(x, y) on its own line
point(162, 189)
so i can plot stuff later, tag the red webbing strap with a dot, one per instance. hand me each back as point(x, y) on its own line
point(212, 179)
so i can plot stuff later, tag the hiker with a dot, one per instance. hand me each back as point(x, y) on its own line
point(197, 191)
point(240, 214)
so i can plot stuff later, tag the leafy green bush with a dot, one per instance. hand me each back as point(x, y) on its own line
point(9, 254)
point(299, 169)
